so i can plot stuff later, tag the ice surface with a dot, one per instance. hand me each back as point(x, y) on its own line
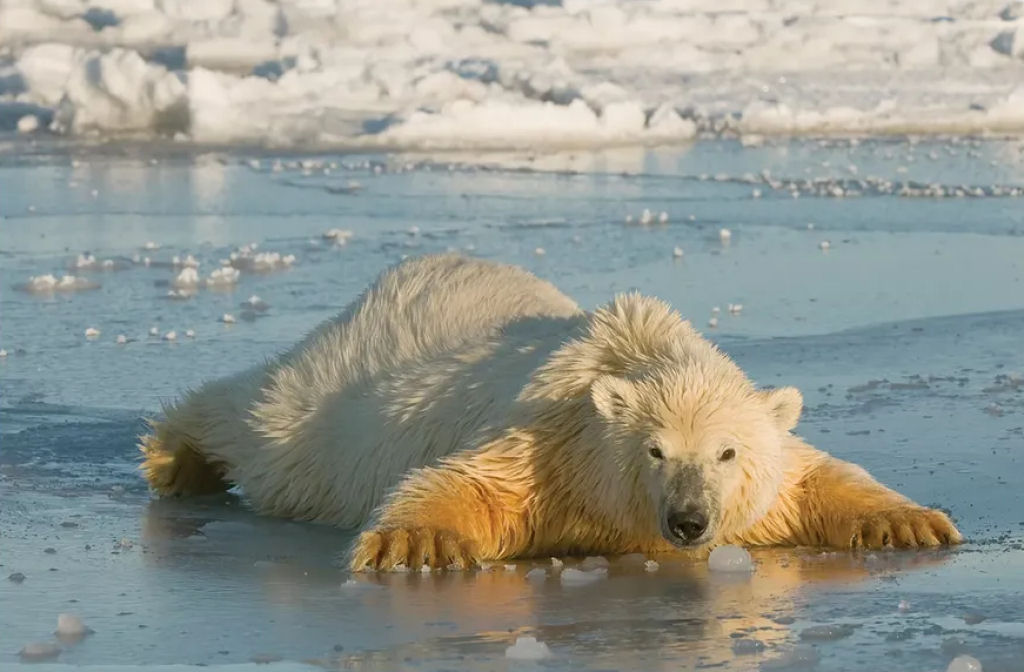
point(894, 380)
point(964, 664)
point(528, 648)
point(728, 558)
point(465, 73)
point(223, 277)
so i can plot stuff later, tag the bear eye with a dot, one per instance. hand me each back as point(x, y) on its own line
point(727, 455)
point(656, 453)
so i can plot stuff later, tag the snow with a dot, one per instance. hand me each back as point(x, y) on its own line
point(398, 74)
point(964, 664)
point(528, 648)
point(729, 558)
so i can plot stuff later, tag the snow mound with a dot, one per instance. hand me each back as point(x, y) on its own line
point(396, 74)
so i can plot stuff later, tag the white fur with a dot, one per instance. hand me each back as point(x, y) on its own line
point(428, 361)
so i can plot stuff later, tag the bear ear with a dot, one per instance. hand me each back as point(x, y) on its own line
point(785, 405)
point(613, 397)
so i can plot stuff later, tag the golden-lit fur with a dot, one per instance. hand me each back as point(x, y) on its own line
point(470, 411)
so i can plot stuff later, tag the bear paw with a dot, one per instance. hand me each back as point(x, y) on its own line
point(903, 527)
point(388, 549)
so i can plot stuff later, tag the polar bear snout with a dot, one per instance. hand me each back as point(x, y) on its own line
point(687, 514)
point(688, 525)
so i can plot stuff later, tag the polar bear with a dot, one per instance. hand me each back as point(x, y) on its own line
point(463, 410)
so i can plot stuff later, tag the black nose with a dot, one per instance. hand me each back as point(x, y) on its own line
point(687, 525)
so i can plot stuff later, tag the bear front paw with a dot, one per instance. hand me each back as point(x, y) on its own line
point(903, 527)
point(388, 549)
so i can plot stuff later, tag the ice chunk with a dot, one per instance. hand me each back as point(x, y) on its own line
point(903, 606)
point(71, 627)
point(536, 574)
point(745, 647)
point(223, 277)
point(28, 124)
point(254, 302)
point(824, 245)
point(40, 651)
point(227, 318)
point(713, 322)
point(826, 633)
point(190, 333)
point(171, 336)
point(338, 236)
point(121, 339)
point(735, 308)
point(540, 252)
point(510, 568)
point(729, 558)
point(724, 235)
point(556, 563)
point(593, 562)
point(576, 577)
point(528, 648)
point(964, 664)
point(43, 284)
point(651, 566)
point(677, 253)
point(92, 332)
point(188, 278)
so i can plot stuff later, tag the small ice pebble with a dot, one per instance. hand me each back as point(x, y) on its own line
point(70, 625)
point(510, 568)
point(729, 558)
point(556, 563)
point(92, 332)
point(663, 217)
point(3, 353)
point(964, 664)
point(171, 336)
point(227, 318)
point(713, 322)
point(575, 577)
point(677, 252)
point(646, 217)
point(536, 574)
point(153, 331)
point(46, 651)
point(651, 566)
point(735, 308)
point(724, 234)
point(190, 333)
point(903, 606)
point(594, 562)
point(28, 123)
point(540, 252)
point(528, 648)
point(715, 310)
point(824, 245)
point(121, 339)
